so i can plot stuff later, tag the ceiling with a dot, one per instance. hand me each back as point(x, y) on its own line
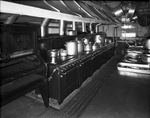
point(103, 10)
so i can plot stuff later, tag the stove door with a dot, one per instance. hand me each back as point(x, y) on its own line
point(64, 81)
point(69, 81)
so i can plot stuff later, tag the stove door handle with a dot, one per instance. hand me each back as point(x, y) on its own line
point(49, 79)
point(63, 74)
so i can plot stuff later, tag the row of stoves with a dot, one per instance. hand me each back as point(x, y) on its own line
point(52, 80)
point(66, 76)
point(25, 67)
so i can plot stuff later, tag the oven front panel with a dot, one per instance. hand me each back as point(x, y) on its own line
point(70, 81)
point(64, 81)
point(85, 69)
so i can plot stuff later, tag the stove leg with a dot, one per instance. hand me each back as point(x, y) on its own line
point(44, 93)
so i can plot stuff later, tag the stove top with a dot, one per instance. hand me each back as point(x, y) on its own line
point(59, 60)
point(66, 59)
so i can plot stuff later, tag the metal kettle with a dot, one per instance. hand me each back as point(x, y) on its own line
point(98, 39)
point(85, 41)
point(88, 47)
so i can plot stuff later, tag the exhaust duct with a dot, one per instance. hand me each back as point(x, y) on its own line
point(43, 27)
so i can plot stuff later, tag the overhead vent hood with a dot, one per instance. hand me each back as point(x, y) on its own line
point(75, 7)
point(36, 3)
point(92, 10)
point(60, 6)
point(89, 10)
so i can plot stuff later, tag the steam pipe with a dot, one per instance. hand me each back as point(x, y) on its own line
point(97, 26)
point(43, 25)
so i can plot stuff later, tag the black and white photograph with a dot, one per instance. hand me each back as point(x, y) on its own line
point(74, 59)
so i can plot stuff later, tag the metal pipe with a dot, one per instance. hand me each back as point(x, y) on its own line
point(73, 25)
point(61, 27)
point(97, 27)
point(90, 26)
point(83, 27)
point(11, 19)
point(43, 25)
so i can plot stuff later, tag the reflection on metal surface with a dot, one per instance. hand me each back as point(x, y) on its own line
point(132, 74)
point(53, 61)
point(133, 67)
point(63, 58)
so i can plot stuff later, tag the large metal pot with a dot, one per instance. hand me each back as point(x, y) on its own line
point(53, 53)
point(72, 47)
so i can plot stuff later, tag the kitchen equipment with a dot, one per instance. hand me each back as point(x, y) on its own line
point(72, 47)
point(98, 38)
point(80, 46)
point(85, 68)
point(109, 41)
point(91, 32)
point(106, 40)
point(85, 41)
point(53, 53)
point(64, 80)
point(95, 46)
point(145, 58)
point(146, 43)
point(71, 32)
point(88, 47)
point(63, 52)
point(134, 67)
